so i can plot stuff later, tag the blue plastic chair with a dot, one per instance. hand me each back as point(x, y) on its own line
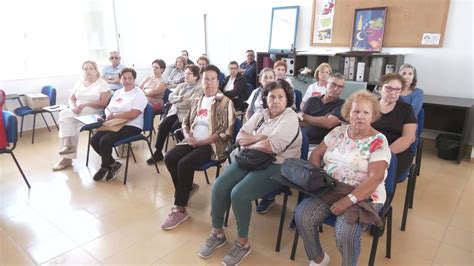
point(414, 171)
point(218, 163)
point(385, 214)
point(148, 116)
point(23, 111)
point(11, 128)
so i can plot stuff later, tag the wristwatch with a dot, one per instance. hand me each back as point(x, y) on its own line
point(352, 198)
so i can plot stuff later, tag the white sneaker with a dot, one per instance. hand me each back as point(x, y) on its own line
point(324, 262)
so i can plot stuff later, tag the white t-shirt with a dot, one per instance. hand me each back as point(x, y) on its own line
point(230, 84)
point(123, 101)
point(313, 91)
point(201, 122)
point(89, 94)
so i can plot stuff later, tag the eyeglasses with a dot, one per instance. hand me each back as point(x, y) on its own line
point(390, 89)
point(156, 67)
point(335, 86)
point(188, 73)
point(233, 68)
point(114, 57)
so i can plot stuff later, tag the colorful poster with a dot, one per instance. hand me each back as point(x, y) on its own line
point(367, 33)
point(324, 21)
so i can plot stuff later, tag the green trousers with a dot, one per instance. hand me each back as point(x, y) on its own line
point(240, 187)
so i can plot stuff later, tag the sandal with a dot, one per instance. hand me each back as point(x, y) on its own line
point(63, 164)
point(67, 150)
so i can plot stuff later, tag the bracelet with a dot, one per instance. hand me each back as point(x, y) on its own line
point(352, 198)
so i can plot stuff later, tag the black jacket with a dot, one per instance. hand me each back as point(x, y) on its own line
point(239, 94)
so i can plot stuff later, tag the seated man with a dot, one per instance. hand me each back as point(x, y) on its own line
point(248, 68)
point(235, 87)
point(320, 115)
point(111, 73)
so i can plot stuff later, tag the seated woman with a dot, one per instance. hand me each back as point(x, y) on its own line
point(154, 86)
point(207, 129)
point(266, 76)
point(321, 75)
point(411, 94)
point(127, 103)
point(398, 121)
point(177, 74)
point(181, 99)
point(185, 54)
point(280, 67)
point(89, 96)
point(274, 130)
point(235, 87)
point(354, 154)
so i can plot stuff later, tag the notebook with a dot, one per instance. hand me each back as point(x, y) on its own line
point(91, 120)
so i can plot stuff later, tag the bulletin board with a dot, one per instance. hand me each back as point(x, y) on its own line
point(407, 21)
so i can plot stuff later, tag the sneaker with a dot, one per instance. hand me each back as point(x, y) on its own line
point(114, 169)
point(194, 190)
point(236, 254)
point(264, 205)
point(175, 218)
point(213, 242)
point(156, 157)
point(63, 164)
point(324, 262)
point(100, 174)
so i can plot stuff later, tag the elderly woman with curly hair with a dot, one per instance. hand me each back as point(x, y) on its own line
point(354, 154)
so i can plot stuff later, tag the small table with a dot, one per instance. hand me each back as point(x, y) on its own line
point(450, 114)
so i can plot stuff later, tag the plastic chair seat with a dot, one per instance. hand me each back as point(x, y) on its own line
point(129, 139)
point(22, 111)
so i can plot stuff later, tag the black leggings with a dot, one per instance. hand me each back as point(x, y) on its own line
point(167, 125)
point(102, 142)
point(181, 162)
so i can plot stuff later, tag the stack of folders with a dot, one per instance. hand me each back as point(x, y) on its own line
point(375, 70)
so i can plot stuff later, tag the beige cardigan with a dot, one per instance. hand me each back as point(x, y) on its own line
point(182, 98)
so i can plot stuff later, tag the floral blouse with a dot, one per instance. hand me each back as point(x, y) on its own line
point(347, 160)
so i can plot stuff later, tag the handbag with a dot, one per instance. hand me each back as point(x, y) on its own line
point(252, 159)
point(306, 176)
point(114, 124)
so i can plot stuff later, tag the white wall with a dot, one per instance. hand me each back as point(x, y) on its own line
point(234, 27)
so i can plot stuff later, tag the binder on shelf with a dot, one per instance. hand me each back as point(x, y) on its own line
point(389, 68)
point(375, 70)
point(352, 68)
point(360, 71)
point(346, 67)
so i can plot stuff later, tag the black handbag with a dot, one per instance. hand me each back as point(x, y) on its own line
point(252, 159)
point(305, 176)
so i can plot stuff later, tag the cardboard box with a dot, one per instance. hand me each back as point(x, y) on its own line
point(36, 101)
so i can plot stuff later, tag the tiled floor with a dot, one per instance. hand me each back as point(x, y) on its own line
point(67, 218)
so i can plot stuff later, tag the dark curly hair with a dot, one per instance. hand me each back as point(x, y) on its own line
point(278, 84)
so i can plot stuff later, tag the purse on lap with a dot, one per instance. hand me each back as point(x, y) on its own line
point(114, 124)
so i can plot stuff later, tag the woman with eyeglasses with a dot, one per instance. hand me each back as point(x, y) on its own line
point(398, 121)
point(154, 86)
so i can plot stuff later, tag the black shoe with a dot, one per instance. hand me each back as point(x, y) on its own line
point(155, 158)
point(113, 171)
point(100, 174)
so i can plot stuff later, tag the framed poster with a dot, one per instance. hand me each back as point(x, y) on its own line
point(368, 29)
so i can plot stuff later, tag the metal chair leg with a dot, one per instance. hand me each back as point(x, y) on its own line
point(133, 154)
point(207, 177)
point(34, 124)
point(295, 245)
point(88, 147)
point(21, 171)
point(151, 152)
point(21, 128)
point(389, 234)
point(46, 123)
point(282, 222)
point(54, 120)
point(126, 164)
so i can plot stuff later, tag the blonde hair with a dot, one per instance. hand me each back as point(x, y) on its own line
point(94, 64)
point(361, 96)
point(320, 68)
